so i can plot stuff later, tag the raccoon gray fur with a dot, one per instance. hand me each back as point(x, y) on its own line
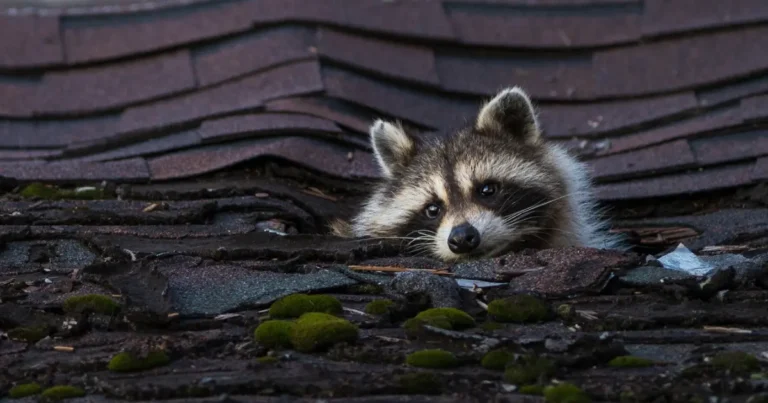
point(486, 190)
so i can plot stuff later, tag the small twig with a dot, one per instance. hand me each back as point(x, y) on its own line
point(66, 349)
point(721, 329)
point(392, 269)
point(393, 339)
point(359, 312)
point(317, 192)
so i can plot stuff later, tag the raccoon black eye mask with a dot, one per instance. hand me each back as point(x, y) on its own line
point(487, 189)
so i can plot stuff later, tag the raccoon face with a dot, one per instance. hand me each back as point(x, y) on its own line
point(483, 191)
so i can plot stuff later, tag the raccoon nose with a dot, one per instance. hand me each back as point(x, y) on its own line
point(463, 239)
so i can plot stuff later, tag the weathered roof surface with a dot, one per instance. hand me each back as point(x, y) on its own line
point(648, 90)
point(162, 103)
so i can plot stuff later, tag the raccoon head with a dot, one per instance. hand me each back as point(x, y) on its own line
point(482, 191)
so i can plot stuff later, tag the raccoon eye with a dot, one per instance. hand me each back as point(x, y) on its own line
point(488, 189)
point(432, 211)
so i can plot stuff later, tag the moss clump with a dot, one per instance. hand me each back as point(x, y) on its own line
point(532, 390)
point(378, 307)
point(565, 393)
point(496, 360)
point(48, 192)
point(28, 334)
point(127, 362)
point(435, 358)
point(519, 308)
point(735, 361)
point(274, 333)
point(24, 390)
point(316, 331)
point(91, 303)
point(63, 392)
point(446, 318)
point(565, 311)
point(630, 362)
point(38, 190)
point(490, 326)
point(420, 383)
point(371, 289)
point(267, 360)
point(295, 305)
point(529, 370)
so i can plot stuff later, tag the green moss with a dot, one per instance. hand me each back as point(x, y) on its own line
point(496, 360)
point(371, 289)
point(565, 393)
point(565, 311)
point(378, 307)
point(28, 334)
point(49, 192)
point(759, 376)
point(420, 383)
point(735, 361)
point(455, 319)
point(630, 361)
point(490, 326)
point(532, 390)
point(268, 359)
point(295, 305)
point(24, 390)
point(127, 362)
point(758, 398)
point(519, 308)
point(91, 303)
point(38, 190)
point(63, 392)
point(627, 396)
point(274, 333)
point(434, 358)
point(317, 331)
point(529, 370)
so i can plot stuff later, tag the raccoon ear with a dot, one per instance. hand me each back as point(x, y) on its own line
point(392, 147)
point(512, 113)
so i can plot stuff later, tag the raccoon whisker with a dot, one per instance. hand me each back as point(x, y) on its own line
point(535, 206)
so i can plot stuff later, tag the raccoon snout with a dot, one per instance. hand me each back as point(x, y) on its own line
point(463, 239)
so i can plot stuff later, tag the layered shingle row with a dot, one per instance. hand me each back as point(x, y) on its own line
point(183, 90)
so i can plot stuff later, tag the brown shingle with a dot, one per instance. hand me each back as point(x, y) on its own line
point(318, 155)
point(29, 41)
point(403, 61)
point(600, 117)
point(18, 98)
point(422, 19)
point(253, 52)
point(156, 145)
point(663, 157)
point(114, 85)
point(674, 16)
point(733, 91)
point(760, 172)
point(125, 170)
point(754, 108)
point(405, 103)
point(678, 184)
point(233, 127)
point(732, 147)
point(521, 26)
point(91, 38)
point(686, 128)
point(336, 110)
point(544, 78)
point(12, 155)
point(244, 94)
point(681, 62)
point(54, 133)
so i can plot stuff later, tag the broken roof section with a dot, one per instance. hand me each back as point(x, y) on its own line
point(662, 98)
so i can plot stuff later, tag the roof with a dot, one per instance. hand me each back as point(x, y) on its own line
point(168, 90)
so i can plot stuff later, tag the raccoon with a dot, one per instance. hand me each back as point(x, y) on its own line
point(489, 189)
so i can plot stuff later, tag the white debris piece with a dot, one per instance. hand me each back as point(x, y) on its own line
point(682, 259)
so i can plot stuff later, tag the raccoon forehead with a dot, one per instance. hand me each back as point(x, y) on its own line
point(510, 168)
point(413, 194)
